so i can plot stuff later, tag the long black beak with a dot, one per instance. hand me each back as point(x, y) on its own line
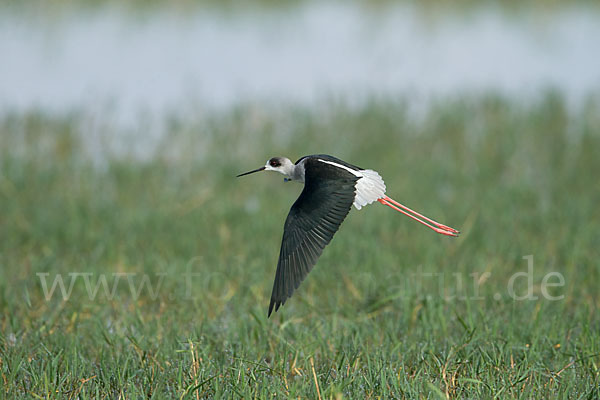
point(251, 172)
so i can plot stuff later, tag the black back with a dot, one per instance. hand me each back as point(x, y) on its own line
point(327, 157)
point(311, 223)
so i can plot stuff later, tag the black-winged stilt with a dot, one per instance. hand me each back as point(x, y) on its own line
point(331, 187)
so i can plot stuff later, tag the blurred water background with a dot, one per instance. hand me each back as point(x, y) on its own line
point(135, 60)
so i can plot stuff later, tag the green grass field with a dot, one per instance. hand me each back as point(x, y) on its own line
point(188, 254)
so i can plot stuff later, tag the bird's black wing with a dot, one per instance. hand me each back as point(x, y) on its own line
point(313, 220)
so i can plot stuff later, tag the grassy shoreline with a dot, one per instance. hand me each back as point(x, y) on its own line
point(381, 316)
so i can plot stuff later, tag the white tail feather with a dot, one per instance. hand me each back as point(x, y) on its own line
point(369, 188)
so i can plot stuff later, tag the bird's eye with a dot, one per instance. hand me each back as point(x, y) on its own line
point(274, 163)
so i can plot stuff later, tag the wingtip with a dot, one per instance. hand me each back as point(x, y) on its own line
point(270, 309)
point(274, 304)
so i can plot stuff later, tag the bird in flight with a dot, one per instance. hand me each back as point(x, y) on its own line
point(331, 187)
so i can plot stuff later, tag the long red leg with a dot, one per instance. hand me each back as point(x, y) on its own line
point(421, 215)
point(443, 229)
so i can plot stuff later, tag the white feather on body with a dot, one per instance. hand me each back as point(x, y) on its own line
point(369, 187)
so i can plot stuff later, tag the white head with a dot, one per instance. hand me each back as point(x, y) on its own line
point(282, 165)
